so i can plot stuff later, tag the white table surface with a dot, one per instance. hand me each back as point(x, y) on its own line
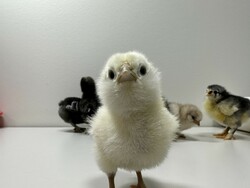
point(59, 158)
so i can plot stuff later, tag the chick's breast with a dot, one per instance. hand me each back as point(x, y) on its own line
point(214, 112)
point(143, 145)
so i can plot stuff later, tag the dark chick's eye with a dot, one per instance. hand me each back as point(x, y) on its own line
point(215, 92)
point(111, 74)
point(143, 70)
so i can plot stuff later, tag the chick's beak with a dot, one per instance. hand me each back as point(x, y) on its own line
point(208, 92)
point(126, 74)
point(196, 122)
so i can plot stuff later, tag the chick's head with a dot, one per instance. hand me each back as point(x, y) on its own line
point(216, 92)
point(191, 113)
point(128, 81)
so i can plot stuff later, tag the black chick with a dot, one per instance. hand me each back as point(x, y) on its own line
point(76, 110)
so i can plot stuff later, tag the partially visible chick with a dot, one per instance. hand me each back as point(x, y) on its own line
point(187, 114)
point(132, 130)
point(76, 110)
point(226, 109)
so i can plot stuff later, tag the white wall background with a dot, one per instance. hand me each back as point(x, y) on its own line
point(46, 46)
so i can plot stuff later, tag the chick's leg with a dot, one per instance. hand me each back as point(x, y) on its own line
point(140, 181)
point(111, 180)
point(180, 135)
point(223, 134)
point(76, 129)
point(230, 136)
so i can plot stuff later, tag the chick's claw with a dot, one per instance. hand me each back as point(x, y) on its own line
point(223, 134)
point(229, 137)
point(220, 135)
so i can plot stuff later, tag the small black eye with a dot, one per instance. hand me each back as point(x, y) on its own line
point(143, 70)
point(111, 74)
point(215, 92)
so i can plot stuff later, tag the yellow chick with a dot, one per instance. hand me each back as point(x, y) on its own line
point(226, 109)
point(132, 130)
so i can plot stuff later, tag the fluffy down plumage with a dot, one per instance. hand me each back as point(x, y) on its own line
point(187, 114)
point(226, 109)
point(76, 110)
point(132, 130)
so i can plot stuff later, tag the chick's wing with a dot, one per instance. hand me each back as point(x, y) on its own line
point(228, 106)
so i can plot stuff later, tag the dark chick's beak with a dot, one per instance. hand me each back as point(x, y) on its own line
point(196, 122)
point(126, 74)
point(208, 92)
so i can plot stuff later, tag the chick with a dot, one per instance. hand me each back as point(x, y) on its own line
point(132, 130)
point(187, 114)
point(226, 109)
point(76, 110)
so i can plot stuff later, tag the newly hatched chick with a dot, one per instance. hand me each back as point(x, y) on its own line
point(76, 110)
point(187, 114)
point(226, 109)
point(132, 130)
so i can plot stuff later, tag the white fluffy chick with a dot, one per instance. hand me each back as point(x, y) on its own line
point(187, 114)
point(132, 130)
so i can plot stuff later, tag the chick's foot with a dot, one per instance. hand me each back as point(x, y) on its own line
point(220, 135)
point(140, 181)
point(79, 130)
point(138, 186)
point(223, 134)
point(229, 137)
point(181, 136)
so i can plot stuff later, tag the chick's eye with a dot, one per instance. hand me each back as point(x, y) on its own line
point(143, 70)
point(215, 92)
point(111, 74)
